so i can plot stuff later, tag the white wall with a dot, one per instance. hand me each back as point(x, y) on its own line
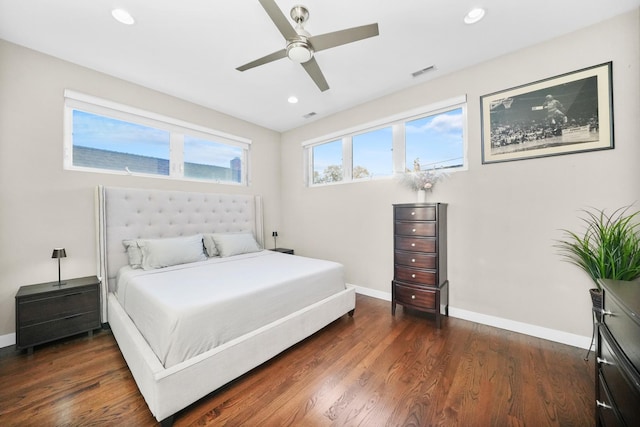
point(43, 206)
point(503, 218)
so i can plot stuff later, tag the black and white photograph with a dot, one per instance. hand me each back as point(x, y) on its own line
point(565, 114)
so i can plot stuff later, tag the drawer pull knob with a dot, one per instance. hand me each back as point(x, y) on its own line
point(413, 260)
point(606, 312)
point(413, 230)
point(603, 361)
point(413, 244)
point(602, 405)
point(413, 213)
point(413, 276)
point(413, 297)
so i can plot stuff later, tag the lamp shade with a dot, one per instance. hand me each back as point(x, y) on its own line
point(59, 253)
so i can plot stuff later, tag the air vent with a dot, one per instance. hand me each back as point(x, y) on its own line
point(424, 70)
point(309, 115)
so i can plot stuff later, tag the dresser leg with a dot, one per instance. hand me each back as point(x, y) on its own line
point(30, 351)
point(393, 308)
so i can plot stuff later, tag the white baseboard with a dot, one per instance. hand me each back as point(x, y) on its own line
point(7, 340)
point(372, 293)
point(498, 322)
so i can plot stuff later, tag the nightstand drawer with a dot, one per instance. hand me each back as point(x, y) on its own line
point(60, 328)
point(417, 244)
point(415, 259)
point(37, 308)
point(427, 229)
point(420, 298)
point(417, 276)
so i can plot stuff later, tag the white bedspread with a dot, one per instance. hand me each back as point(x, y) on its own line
point(185, 310)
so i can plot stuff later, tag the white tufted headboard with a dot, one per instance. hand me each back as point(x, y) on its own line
point(128, 213)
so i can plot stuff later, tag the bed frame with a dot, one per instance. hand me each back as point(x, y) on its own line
point(124, 213)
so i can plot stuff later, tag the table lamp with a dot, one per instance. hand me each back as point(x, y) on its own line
point(59, 253)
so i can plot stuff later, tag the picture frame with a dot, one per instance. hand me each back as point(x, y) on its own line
point(565, 114)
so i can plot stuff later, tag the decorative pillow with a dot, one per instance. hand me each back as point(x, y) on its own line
point(159, 253)
point(133, 252)
point(210, 245)
point(235, 243)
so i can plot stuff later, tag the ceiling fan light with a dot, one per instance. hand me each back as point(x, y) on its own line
point(299, 52)
point(474, 15)
point(123, 16)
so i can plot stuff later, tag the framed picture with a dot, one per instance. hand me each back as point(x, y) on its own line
point(570, 113)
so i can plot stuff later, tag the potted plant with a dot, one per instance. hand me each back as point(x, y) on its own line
point(609, 248)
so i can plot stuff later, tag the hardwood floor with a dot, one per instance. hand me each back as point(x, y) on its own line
point(369, 370)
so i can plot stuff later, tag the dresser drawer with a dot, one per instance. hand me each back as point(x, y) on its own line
point(427, 229)
point(418, 244)
point(605, 408)
point(423, 213)
point(60, 328)
point(41, 308)
point(420, 298)
point(625, 327)
point(415, 259)
point(417, 276)
point(622, 382)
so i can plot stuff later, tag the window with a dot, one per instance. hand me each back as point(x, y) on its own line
point(109, 137)
point(327, 162)
point(433, 137)
point(435, 141)
point(372, 153)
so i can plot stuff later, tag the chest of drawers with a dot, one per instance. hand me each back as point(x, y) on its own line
point(618, 356)
point(420, 258)
point(47, 311)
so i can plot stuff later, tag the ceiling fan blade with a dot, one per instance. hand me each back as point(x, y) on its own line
point(264, 60)
point(338, 38)
point(313, 69)
point(278, 18)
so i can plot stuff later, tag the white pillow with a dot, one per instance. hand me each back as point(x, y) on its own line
point(158, 253)
point(235, 243)
point(210, 245)
point(133, 252)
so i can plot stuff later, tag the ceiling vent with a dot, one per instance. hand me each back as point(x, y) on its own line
point(424, 70)
point(309, 115)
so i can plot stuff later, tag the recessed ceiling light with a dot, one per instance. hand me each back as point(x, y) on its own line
point(292, 100)
point(474, 15)
point(123, 16)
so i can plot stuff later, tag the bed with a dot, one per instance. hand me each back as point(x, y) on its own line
point(255, 322)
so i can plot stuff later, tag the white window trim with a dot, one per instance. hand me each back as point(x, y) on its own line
point(79, 101)
point(397, 122)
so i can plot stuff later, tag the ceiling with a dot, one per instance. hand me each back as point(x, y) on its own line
point(191, 48)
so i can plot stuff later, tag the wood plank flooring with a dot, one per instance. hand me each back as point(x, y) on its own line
point(369, 370)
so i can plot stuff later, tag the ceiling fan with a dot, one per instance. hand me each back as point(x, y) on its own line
point(301, 45)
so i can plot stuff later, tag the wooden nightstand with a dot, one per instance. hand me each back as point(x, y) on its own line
point(283, 250)
point(47, 312)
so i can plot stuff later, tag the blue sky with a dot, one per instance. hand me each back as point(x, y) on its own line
point(436, 140)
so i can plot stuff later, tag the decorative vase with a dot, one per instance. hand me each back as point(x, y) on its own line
point(422, 196)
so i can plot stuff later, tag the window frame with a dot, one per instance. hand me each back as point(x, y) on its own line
point(397, 122)
point(177, 128)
